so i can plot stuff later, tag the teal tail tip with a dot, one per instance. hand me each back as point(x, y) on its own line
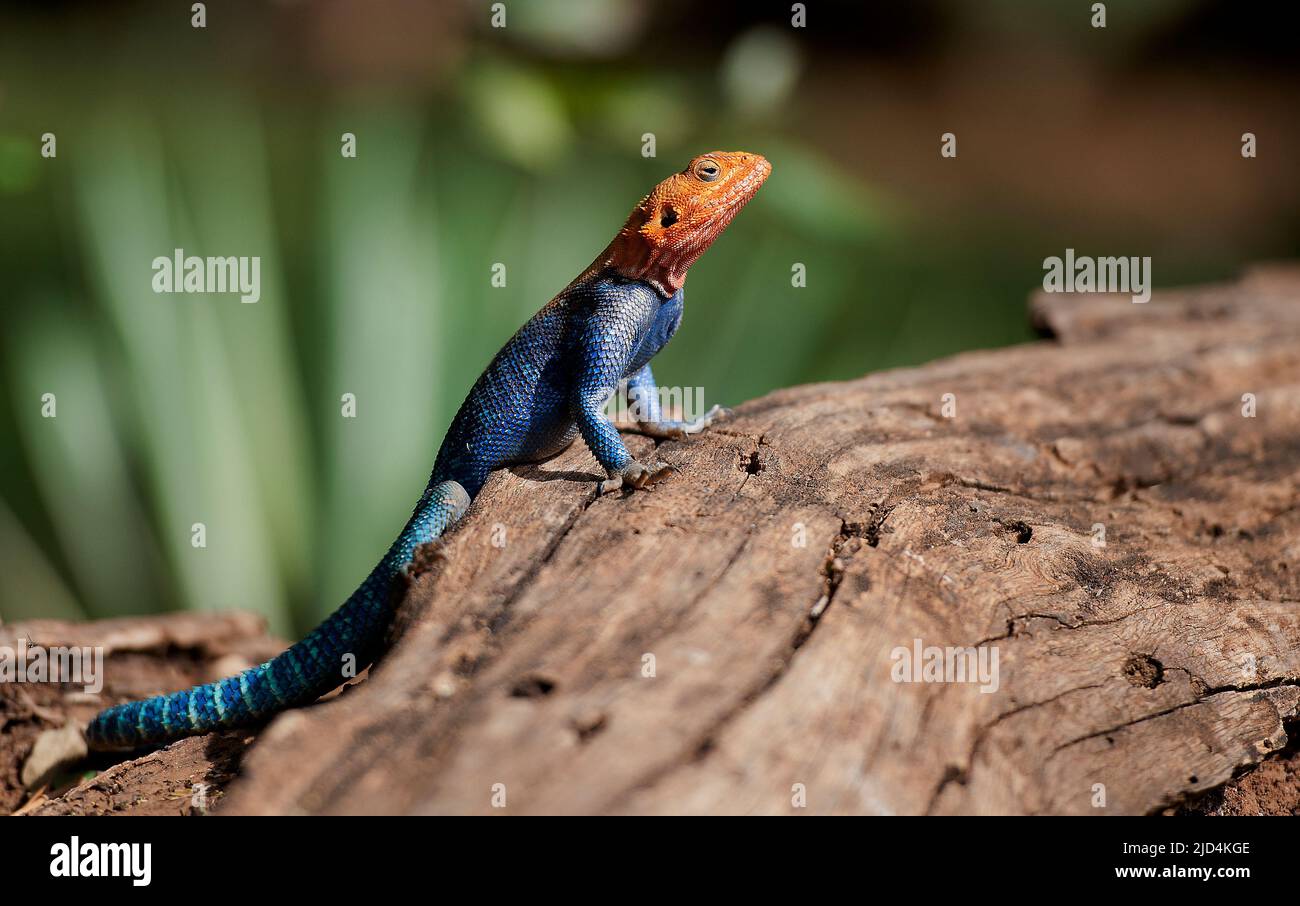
point(115, 729)
point(351, 637)
point(166, 718)
point(297, 676)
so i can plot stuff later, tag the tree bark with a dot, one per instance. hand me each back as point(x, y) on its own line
point(1101, 509)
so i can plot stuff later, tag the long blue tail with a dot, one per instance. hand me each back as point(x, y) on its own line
point(302, 673)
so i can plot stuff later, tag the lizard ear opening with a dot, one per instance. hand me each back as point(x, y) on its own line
point(668, 218)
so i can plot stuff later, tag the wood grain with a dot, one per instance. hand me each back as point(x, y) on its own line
point(802, 543)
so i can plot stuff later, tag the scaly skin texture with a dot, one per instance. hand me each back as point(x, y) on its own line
point(548, 385)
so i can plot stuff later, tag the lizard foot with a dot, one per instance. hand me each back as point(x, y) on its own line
point(675, 430)
point(635, 475)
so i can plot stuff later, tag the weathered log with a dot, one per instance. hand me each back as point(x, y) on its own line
point(1113, 510)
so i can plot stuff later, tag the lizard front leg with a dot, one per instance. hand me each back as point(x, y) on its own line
point(603, 439)
point(605, 347)
point(643, 403)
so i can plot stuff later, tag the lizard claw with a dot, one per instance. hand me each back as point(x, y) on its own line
point(713, 416)
point(635, 475)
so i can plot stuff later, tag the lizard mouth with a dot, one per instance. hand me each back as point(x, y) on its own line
point(738, 194)
point(745, 188)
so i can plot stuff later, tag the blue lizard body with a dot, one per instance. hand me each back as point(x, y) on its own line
point(550, 382)
point(547, 385)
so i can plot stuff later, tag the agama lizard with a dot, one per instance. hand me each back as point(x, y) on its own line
point(548, 385)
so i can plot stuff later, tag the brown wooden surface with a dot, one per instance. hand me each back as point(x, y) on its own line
point(521, 651)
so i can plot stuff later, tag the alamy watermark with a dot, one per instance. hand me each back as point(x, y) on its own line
point(75, 859)
point(678, 403)
point(1084, 274)
point(192, 274)
point(30, 663)
point(935, 664)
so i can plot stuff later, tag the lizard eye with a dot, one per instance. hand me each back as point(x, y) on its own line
point(669, 217)
point(707, 170)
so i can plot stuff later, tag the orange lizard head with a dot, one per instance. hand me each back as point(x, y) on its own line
point(674, 224)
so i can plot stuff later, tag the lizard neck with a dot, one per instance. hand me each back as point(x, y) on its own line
point(632, 258)
point(613, 262)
